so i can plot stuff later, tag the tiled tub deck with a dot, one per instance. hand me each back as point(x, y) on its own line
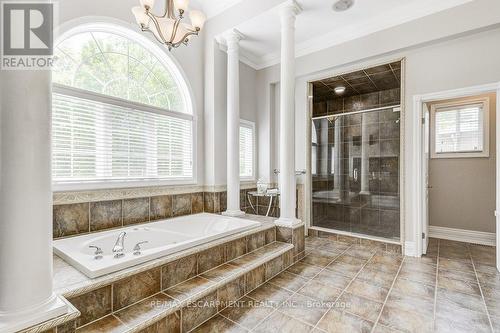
point(162, 292)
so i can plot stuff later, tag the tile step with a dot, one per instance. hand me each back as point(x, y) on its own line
point(151, 310)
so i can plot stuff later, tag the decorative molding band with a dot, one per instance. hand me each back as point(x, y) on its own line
point(222, 188)
point(410, 249)
point(462, 235)
point(62, 198)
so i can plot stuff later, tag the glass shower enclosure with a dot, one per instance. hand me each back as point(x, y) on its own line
point(355, 172)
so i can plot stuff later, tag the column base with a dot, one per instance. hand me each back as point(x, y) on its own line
point(288, 222)
point(14, 322)
point(233, 213)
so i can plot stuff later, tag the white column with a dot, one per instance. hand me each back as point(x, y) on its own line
point(233, 124)
point(287, 116)
point(26, 296)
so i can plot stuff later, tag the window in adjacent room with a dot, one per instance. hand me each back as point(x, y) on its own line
point(460, 129)
point(247, 150)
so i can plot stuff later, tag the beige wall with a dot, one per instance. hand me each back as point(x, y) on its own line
point(431, 66)
point(463, 189)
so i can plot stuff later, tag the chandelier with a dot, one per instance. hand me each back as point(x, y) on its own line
point(168, 29)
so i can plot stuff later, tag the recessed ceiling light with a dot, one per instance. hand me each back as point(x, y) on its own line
point(342, 5)
point(339, 90)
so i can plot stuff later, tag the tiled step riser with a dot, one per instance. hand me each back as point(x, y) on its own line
point(197, 299)
point(103, 301)
point(192, 316)
point(293, 236)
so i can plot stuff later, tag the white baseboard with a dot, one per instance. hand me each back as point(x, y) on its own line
point(410, 249)
point(462, 235)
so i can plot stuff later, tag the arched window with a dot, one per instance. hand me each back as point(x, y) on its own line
point(122, 112)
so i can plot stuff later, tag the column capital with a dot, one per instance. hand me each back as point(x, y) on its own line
point(232, 39)
point(290, 9)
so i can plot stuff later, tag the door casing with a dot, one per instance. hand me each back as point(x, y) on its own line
point(420, 159)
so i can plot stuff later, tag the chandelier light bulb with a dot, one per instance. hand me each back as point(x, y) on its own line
point(148, 4)
point(197, 19)
point(181, 5)
point(140, 16)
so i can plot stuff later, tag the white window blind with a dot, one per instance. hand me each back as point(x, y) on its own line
point(247, 144)
point(96, 141)
point(459, 129)
point(122, 113)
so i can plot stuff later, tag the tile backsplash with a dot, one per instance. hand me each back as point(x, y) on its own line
point(77, 218)
point(74, 218)
point(70, 219)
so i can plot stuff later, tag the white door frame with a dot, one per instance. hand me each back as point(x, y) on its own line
point(418, 155)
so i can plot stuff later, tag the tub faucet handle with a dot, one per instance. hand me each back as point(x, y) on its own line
point(98, 252)
point(137, 248)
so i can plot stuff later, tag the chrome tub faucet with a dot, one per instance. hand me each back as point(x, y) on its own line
point(119, 248)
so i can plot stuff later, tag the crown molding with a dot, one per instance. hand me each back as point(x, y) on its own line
point(335, 38)
point(250, 59)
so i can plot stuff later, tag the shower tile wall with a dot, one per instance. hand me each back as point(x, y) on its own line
point(356, 185)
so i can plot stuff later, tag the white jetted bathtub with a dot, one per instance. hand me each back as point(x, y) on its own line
point(162, 237)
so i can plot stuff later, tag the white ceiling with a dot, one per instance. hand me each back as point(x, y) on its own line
point(213, 7)
point(319, 27)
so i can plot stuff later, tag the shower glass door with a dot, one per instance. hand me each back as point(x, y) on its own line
point(355, 172)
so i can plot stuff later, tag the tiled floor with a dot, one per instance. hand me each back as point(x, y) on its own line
point(339, 287)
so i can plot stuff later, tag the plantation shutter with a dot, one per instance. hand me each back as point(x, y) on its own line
point(246, 151)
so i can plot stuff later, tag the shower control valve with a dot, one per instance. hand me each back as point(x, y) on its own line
point(137, 248)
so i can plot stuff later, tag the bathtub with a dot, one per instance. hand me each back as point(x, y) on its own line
point(163, 238)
